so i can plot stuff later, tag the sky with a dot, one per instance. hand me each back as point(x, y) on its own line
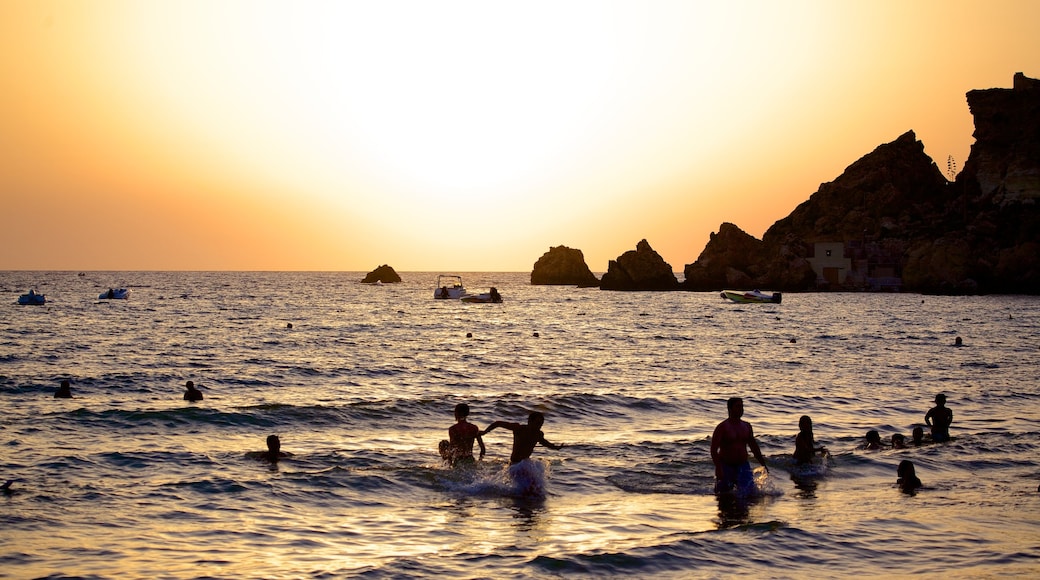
point(460, 136)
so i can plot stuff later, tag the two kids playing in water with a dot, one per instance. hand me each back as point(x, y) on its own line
point(458, 448)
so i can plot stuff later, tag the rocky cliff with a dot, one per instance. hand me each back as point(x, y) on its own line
point(891, 221)
point(639, 269)
point(563, 266)
point(384, 274)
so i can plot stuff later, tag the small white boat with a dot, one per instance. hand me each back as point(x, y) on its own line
point(491, 297)
point(115, 294)
point(32, 298)
point(751, 297)
point(449, 287)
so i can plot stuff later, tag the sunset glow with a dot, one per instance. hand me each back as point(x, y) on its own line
point(461, 136)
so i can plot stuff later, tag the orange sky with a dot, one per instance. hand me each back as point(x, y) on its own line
point(459, 136)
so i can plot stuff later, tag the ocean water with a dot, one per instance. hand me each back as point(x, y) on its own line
point(128, 480)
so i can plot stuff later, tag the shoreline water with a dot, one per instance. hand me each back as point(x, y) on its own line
point(127, 479)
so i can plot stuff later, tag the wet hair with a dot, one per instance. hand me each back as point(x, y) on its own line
point(873, 436)
point(906, 468)
point(462, 410)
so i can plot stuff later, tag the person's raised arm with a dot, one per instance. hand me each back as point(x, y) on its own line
point(504, 424)
point(480, 442)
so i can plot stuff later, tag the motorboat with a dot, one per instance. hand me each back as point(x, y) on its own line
point(751, 297)
point(490, 297)
point(32, 298)
point(115, 294)
point(449, 287)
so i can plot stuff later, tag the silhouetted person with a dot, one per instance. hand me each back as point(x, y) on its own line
point(958, 341)
point(495, 296)
point(458, 448)
point(939, 418)
point(525, 437)
point(805, 448)
point(729, 449)
point(918, 436)
point(873, 440)
point(64, 391)
point(191, 393)
point(898, 441)
point(274, 450)
point(908, 480)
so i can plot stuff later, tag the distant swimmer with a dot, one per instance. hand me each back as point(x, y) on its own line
point(898, 441)
point(458, 448)
point(274, 451)
point(873, 440)
point(958, 341)
point(805, 448)
point(525, 437)
point(64, 391)
point(191, 393)
point(939, 418)
point(729, 449)
point(908, 480)
point(918, 436)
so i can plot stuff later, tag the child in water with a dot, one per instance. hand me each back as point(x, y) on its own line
point(908, 480)
point(458, 448)
point(804, 444)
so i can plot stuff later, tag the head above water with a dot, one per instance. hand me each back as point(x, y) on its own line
point(274, 444)
point(735, 406)
point(461, 411)
point(873, 437)
point(189, 385)
point(906, 468)
point(535, 419)
point(940, 399)
point(805, 423)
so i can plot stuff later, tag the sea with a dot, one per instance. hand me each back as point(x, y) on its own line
point(128, 480)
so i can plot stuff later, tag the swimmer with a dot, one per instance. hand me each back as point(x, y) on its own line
point(729, 449)
point(274, 451)
point(804, 444)
point(918, 436)
point(939, 418)
point(873, 440)
point(458, 448)
point(908, 480)
point(64, 391)
point(525, 437)
point(898, 441)
point(958, 341)
point(191, 393)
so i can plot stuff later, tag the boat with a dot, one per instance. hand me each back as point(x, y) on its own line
point(490, 297)
point(115, 294)
point(449, 287)
point(751, 297)
point(32, 298)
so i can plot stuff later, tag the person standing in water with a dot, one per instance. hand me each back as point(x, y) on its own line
point(939, 418)
point(805, 448)
point(729, 449)
point(191, 392)
point(64, 391)
point(458, 448)
point(525, 437)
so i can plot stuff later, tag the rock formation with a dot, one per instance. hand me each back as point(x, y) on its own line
point(639, 269)
point(384, 274)
point(892, 221)
point(563, 266)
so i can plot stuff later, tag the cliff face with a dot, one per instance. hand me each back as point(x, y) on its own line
point(892, 221)
point(639, 269)
point(563, 266)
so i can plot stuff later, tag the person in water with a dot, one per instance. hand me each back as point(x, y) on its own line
point(805, 448)
point(525, 437)
point(898, 441)
point(274, 451)
point(729, 449)
point(939, 418)
point(918, 436)
point(458, 447)
point(873, 440)
point(908, 480)
point(191, 393)
point(495, 296)
point(64, 390)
